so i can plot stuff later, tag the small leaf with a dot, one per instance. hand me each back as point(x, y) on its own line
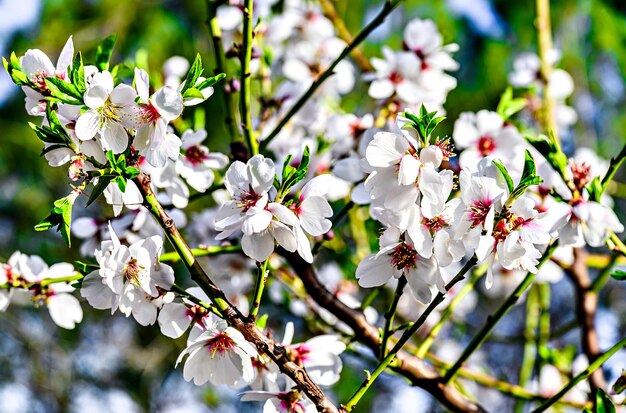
point(103, 52)
point(620, 384)
point(194, 73)
point(261, 322)
point(505, 174)
point(192, 93)
point(102, 184)
point(60, 217)
point(604, 403)
point(85, 268)
point(210, 81)
point(121, 183)
point(78, 73)
point(619, 275)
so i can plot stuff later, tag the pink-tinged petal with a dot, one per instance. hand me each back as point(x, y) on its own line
point(65, 310)
point(409, 170)
point(87, 125)
point(381, 89)
point(36, 63)
point(313, 213)
point(142, 84)
point(374, 271)
point(387, 149)
point(174, 319)
point(96, 96)
point(66, 56)
point(168, 102)
point(114, 137)
point(258, 246)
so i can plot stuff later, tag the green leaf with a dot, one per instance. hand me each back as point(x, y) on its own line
point(508, 106)
point(78, 73)
point(85, 268)
point(261, 322)
point(620, 384)
point(192, 93)
point(603, 402)
point(194, 73)
point(619, 275)
point(60, 217)
point(103, 52)
point(122, 71)
point(505, 174)
point(595, 189)
point(48, 135)
point(102, 184)
point(64, 91)
point(121, 183)
point(131, 172)
point(208, 82)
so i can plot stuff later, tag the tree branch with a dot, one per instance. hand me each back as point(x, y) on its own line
point(411, 367)
point(230, 313)
point(586, 307)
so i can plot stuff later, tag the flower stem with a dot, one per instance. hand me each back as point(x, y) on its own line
point(220, 67)
point(172, 257)
point(616, 162)
point(388, 7)
point(354, 400)
point(432, 334)
point(261, 279)
point(533, 312)
point(583, 375)
point(494, 319)
point(390, 314)
point(244, 96)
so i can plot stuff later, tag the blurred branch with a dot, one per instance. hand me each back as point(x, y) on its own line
point(328, 7)
point(497, 316)
point(583, 375)
point(411, 367)
point(388, 7)
point(529, 357)
point(586, 307)
point(244, 95)
point(220, 67)
point(202, 251)
point(544, 34)
point(230, 313)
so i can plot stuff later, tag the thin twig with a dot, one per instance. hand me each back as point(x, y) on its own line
point(244, 96)
point(389, 6)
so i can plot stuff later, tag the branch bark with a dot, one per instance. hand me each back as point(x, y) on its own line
point(586, 307)
point(411, 367)
point(231, 314)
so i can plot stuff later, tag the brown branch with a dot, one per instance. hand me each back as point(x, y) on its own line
point(230, 313)
point(411, 367)
point(328, 7)
point(586, 307)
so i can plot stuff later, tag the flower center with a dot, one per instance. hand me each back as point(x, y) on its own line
point(420, 54)
point(395, 78)
point(132, 271)
point(195, 155)
point(581, 173)
point(435, 224)
point(290, 402)
point(446, 146)
point(39, 79)
point(299, 354)
point(109, 112)
point(478, 212)
point(196, 313)
point(404, 257)
point(220, 343)
point(149, 114)
point(486, 145)
point(247, 200)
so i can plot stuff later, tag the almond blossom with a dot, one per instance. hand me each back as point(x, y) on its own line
point(197, 164)
point(220, 354)
point(108, 112)
point(398, 257)
point(130, 278)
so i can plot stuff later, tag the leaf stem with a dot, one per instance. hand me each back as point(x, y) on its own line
point(390, 314)
point(354, 400)
point(582, 375)
point(261, 279)
point(202, 251)
point(494, 319)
